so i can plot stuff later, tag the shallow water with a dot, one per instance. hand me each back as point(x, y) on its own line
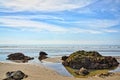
point(116, 69)
point(58, 67)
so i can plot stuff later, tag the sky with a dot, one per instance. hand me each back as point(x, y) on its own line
point(60, 22)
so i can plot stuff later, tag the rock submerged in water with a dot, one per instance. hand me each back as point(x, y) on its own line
point(90, 60)
point(42, 55)
point(15, 75)
point(19, 56)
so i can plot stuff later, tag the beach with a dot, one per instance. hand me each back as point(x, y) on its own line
point(51, 68)
point(40, 72)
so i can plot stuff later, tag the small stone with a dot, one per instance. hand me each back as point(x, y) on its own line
point(103, 75)
point(15, 75)
point(82, 72)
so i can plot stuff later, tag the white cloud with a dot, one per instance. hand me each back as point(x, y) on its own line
point(78, 30)
point(46, 17)
point(26, 23)
point(42, 5)
point(110, 30)
point(94, 23)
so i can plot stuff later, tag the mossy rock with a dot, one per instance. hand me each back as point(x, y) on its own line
point(90, 60)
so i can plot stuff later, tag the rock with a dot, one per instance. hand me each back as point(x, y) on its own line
point(103, 75)
point(42, 55)
point(64, 58)
point(82, 72)
point(19, 56)
point(65, 63)
point(90, 60)
point(15, 75)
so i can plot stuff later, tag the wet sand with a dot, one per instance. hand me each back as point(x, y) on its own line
point(39, 72)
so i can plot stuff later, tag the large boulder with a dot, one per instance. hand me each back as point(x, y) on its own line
point(90, 60)
point(42, 55)
point(19, 56)
point(15, 75)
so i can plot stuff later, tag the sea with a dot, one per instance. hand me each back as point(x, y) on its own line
point(57, 51)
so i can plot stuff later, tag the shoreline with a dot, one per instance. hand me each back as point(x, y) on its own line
point(36, 72)
point(40, 72)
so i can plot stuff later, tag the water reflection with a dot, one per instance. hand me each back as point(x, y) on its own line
point(116, 69)
point(58, 67)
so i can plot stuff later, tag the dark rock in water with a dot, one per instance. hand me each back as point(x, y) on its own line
point(90, 60)
point(82, 72)
point(15, 75)
point(64, 58)
point(19, 56)
point(42, 55)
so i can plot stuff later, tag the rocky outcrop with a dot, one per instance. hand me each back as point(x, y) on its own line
point(82, 72)
point(15, 75)
point(90, 60)
point(42, 55)
point(19, 56)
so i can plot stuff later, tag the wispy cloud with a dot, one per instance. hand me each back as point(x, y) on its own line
point(66, 21)
point(42, 5)
point(42, 17)
point(93, 23)
point(26, 23)
point(102, 8)
point(97, 23)
point(29, 24)
point(86, 23)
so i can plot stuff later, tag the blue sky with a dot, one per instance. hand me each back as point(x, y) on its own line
point(59, 21)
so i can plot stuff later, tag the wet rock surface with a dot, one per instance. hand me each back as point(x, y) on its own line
point(82, 72)
point(19, 56)
point(42, 55)
point(15, 75)
point(64, 58)
point(90, 60)
point(103, 75)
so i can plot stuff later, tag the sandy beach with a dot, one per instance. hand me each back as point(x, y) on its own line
point(54, 59)
point(39, 72)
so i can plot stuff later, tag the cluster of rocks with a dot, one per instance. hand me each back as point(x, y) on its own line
point(15, 75)
point(19, 56)
point(81, 60)
point(23, 58)
point(89, 60)
point(19, 75)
